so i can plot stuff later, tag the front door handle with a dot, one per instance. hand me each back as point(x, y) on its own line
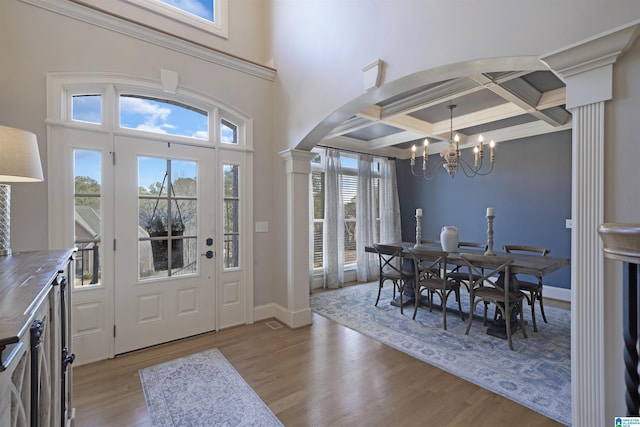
point(208, 254)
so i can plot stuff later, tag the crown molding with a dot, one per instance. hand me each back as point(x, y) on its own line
point(122, 26)
point(598, 51)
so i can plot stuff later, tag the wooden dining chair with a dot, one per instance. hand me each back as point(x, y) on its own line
point(392, 268)
point(493, 288)
point(429, 266)
point(459, 273)
point(533, 290)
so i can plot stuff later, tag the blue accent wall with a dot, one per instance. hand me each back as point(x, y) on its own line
point(530, 189)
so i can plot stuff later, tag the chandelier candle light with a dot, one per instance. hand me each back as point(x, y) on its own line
point(451, 158)
point(490, 216)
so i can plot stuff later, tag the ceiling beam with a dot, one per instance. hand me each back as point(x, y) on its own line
point(353, 144)
point(500, 135)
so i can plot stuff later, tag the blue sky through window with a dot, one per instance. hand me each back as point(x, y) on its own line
point(87, 163)
point(87, 108)
point(162, 117)
point(152, 169)
point(201, 8)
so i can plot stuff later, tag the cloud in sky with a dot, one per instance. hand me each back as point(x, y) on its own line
point(155, 116)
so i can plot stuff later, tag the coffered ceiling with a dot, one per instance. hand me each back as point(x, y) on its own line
point(499, 106)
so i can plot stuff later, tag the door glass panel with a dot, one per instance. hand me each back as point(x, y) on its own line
point(167, 217)
point(87, 211)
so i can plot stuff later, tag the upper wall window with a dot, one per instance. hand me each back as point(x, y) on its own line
point(163, 116)
point(208, 15)
point(201, 8)
point(86, 108)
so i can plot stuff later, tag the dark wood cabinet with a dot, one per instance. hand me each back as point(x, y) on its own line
point(35, 339)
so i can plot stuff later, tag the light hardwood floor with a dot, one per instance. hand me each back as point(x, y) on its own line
point(321, 375)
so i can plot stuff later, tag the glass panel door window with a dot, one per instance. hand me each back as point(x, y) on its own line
point(167, 217)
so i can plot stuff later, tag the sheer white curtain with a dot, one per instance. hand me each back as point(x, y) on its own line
point(390, 228)
point(366, 230)
point(333, 229)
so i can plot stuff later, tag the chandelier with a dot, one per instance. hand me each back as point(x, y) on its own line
point(451, 159)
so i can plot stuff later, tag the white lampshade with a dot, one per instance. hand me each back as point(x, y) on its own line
point(19, 162)
point(19, 156)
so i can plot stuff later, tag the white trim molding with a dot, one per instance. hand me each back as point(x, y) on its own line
point(587, 69)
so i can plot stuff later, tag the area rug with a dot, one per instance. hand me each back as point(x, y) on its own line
point(537, 374)
point(202, 389)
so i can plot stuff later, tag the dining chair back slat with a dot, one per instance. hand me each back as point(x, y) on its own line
point(493, 287)
point(429, 269)
point(532, 290)
point(459, 273)
point(392, 268)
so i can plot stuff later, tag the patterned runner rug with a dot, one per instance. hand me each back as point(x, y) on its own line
point(202, 389)
point(537, 374)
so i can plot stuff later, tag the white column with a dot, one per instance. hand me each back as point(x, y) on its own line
point(587, 274)
point(587, 69)
point(298, 170)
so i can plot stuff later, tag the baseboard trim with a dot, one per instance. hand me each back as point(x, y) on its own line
point(291, 319)
point(560, 294)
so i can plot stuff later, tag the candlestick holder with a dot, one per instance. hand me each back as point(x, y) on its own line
point(489, 250)
point(418, 231)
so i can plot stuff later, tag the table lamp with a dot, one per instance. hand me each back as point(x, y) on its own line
point(19, 162)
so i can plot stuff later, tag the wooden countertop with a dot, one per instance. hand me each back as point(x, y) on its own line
point(25, 279)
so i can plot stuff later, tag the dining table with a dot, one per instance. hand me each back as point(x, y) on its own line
point(535, 265)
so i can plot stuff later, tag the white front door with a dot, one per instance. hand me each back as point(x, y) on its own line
point(164, 242)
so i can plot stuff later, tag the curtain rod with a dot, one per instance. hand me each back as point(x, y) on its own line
point(353, 151)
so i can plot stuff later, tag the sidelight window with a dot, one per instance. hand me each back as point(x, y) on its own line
point(231, 219)
point(88, 218)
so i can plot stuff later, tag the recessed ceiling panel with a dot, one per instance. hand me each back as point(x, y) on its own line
point(544, 81)
point(410, 93)
point(505, 123)
point(377, 130)
point(466, 104)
